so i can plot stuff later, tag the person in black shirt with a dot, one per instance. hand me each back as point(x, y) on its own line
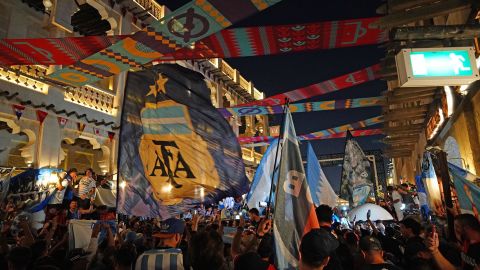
point(324, 216)
point(414, 244)
point(467, 230)
point(373, 253)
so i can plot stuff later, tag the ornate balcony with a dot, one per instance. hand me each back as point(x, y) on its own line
point(92, 98)
point(152, 7)
point(25, 76)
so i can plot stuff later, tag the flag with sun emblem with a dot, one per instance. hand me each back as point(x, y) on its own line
point(176, 150)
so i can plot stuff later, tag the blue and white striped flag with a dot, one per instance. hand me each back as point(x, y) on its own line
point(322, 191)
point(262, 181)
point(160, 259)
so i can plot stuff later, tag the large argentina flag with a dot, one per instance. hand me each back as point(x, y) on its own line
point(262, 181)
point(294, 209)
point(176, 149)
point(322, 191)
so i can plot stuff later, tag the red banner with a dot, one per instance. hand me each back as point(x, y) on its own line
point(62, 121)
point(335, 84)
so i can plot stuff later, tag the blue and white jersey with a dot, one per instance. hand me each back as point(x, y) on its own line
point(160, 259)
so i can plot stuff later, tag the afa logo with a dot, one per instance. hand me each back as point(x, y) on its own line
point(176, 160)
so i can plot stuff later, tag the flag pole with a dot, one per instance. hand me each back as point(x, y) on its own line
point(280, 137)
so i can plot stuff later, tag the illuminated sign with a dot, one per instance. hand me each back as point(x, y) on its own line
point(275, 131)
point(436, 66)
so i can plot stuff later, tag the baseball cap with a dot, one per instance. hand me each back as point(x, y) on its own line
point(369, 243)
point(169, 227)
point(317, 245)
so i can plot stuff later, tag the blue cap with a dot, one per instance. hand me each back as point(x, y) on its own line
point(171, 226)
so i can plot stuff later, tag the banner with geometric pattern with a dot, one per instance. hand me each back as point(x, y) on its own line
point(319, 134)
point(303, 107)
point(228, 43)
point(179, 29)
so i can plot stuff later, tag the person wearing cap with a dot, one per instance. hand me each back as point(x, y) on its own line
point(167, 255)
point(372, 251)
point(324, 215)
point(316, 248)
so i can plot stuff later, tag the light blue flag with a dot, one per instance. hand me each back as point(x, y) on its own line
point(468, 193)
point(430, 182)
point(260, 188)
point(322, 191)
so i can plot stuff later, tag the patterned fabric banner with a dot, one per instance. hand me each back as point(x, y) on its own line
point(356, 184)
point(236, 42)
point(335, 84)
point(181, 28)
point(319, 134)
point(52, 51)
point(175, 153)
point(80, 127)
point(355, 133)
point(303, 107)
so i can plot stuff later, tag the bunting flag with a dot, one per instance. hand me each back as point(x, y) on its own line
point(41, 115)
point(430, 182)
point(262, 181)
point(111, 135)
point(18, 110)
point(303, 107)
point(179, 29)
point(96, 131)
point(467, 192)
point(176, 152)
point(342, 82)
point(235, 42)
point(320, 134)
point(62, 122)
point(356, 185)
point(294, 209)
point(80, 127)
point(322, 191)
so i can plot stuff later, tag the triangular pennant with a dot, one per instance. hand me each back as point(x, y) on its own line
point(96, 131)
point(80, 127)
point(18, 110)
point(111, 134)
point(41, 115)
point(62, 121)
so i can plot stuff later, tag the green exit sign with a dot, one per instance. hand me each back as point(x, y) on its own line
point(436, 66)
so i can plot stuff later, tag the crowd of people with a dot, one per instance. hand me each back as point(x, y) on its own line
point(209, 238)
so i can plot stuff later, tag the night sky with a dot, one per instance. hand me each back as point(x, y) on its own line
point(277, 74)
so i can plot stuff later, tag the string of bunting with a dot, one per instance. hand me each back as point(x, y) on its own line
point(341, 82)
point(62, 121)
point(236, 42)
point(319, 134)
point(201, 19)
point(18, 109)
point(303, 107)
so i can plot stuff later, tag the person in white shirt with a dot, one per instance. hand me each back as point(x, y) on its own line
point(397, 202)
